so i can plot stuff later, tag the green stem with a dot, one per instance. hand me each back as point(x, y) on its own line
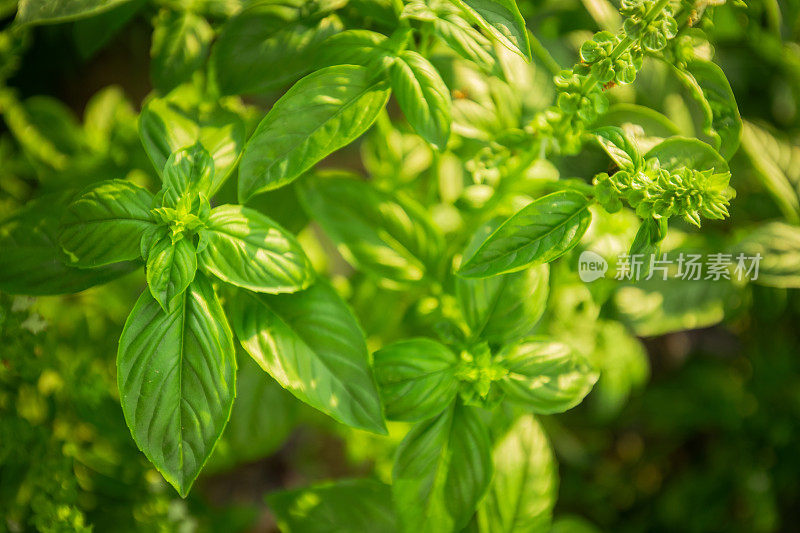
point(543, 55)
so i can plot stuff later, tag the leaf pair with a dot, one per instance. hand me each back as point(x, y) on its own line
point(443, 466)
point(420, 378)
point(520, 498)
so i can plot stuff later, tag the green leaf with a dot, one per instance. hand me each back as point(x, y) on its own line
point(623, 364)
point(465, 40)
point(387, 235)
point(93, 34)
point(181, 41)
point(505, 307)
point(321, 113)
point(344, 506)
point(54, 11)
point(619, 147)
point(312, 345)
point(353, 47)
point(502, 20)
point(170, 269)
point(270, 46)
point(247, 249)
point(180, 120)
point(657, 307)
point(416, 378)
point(176, 373)
point(539, 233)
point(105, 224)
point(442, 469)
point(710, 88)
point(32, 262)
point(423, 97)
point(545, 376)
point(677, 152)
point(777, 167)
point(524, 487)
point(778, 243)
point(646, 126)
point(188, 171)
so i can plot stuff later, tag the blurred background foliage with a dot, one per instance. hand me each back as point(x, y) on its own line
point(695, 423)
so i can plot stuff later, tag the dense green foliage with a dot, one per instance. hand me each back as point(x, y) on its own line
point(375, 250)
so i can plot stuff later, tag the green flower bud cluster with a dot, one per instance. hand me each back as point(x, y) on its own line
point(579, 104)
point(650, 33)
point(486, 164)
point(478, 373)
point(599, 59)
point(606, 59)
point(655, 192)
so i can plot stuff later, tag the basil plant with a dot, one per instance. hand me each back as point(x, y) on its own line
point(423, 291)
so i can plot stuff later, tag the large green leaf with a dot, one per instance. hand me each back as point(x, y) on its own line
point(33, 263)
point(312, 345)
point(545, 376)
point(269, 46)
point(465, 40)
point(345, 506)
point(505, 307)
point(247, 249)
point(385, 234)
point(646, 126)
point(54, 11)
point(321, 113)
point(423, 97)
point(105, 224)
point(442, 469)
point(417, 378)
point(539, 233)
point(170, 269)
point(777, 166)
point(353, 47)
point(501, 19)
point(710, 88)
point(658, 307)
point(180, 120)
point(262, 419)
point(181, 41)
point(523, 490)
point(778, 244)
point(176, 373)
